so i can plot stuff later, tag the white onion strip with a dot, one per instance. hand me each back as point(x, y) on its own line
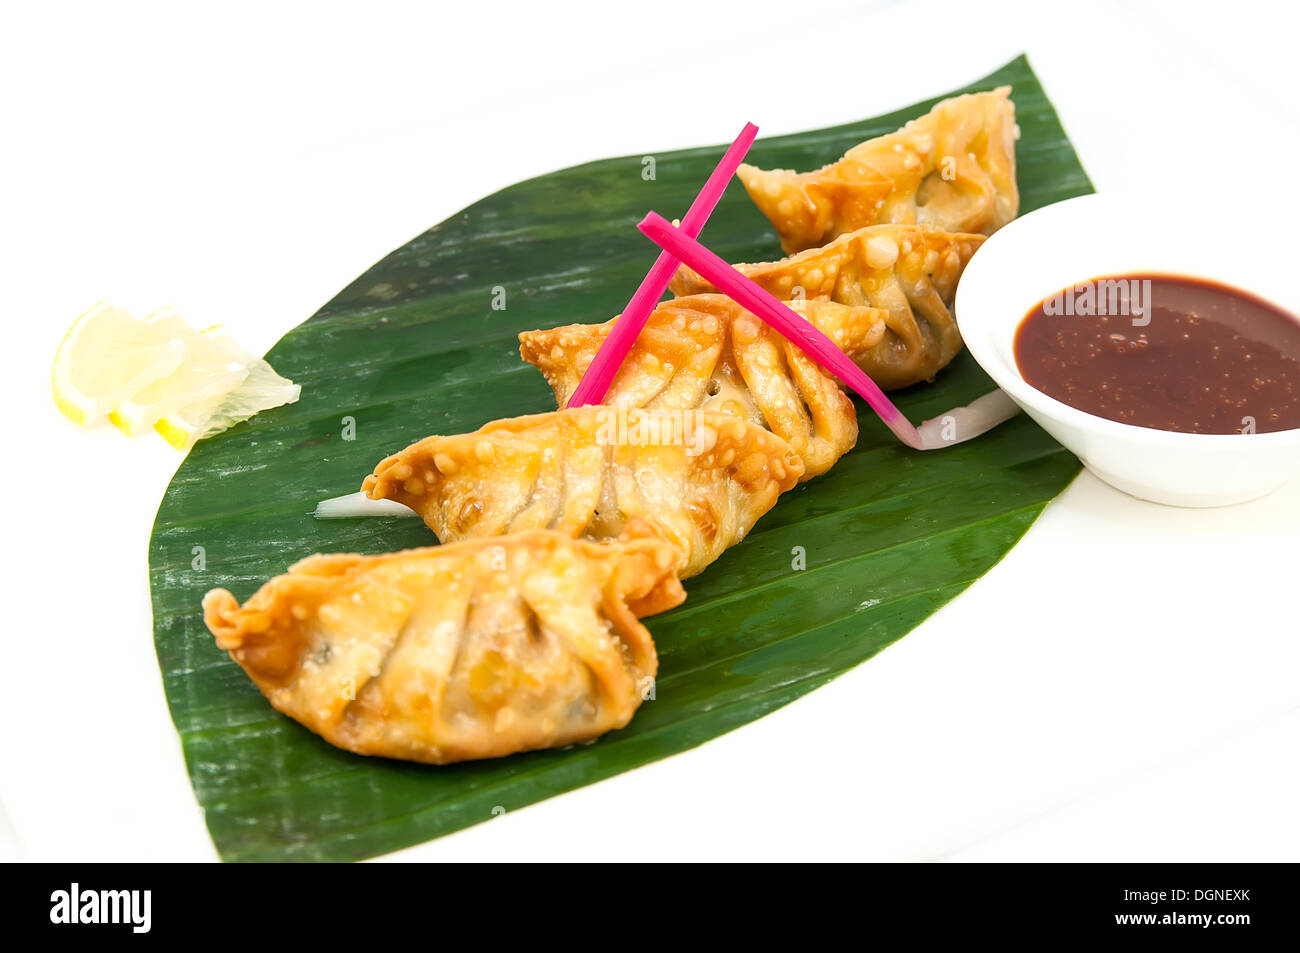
point(964, 423)
point(358, 505)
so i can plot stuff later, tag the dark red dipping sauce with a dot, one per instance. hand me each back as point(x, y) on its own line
point(1166, 352)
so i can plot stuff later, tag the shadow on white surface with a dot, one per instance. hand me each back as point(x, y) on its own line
point(1231, 801)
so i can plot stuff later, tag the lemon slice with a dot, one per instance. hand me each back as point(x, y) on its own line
point(261, 390)
point(106, 357)
point(214, 365)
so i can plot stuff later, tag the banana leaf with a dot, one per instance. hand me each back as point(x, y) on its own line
point(420, 344)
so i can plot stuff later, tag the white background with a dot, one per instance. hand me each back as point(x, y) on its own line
point(1122, 686)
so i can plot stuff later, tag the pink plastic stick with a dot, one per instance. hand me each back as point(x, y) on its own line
point(794, 327)
point(604, 366)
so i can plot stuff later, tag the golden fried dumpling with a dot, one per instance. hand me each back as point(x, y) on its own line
point(953, 168)
point(908, 273)
point(702, 480)
point(707, 353)
point(474, 650)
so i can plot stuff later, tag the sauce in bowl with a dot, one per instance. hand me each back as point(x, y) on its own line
point(1165, 352)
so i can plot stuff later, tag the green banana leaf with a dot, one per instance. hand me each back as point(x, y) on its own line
point(415, 346)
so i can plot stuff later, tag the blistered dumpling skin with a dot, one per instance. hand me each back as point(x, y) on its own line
point(953, 168)
point(701, 479)
point(707, 353)
point(906, 273)
point(473, 650)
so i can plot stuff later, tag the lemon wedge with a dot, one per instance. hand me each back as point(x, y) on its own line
point(160, 373)
point(261, 390)
point(214, 366)
point(106, 357)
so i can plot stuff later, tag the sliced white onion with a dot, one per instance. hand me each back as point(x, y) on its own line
point(964, 423)
point(357, 505)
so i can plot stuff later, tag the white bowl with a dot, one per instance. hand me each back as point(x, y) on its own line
point(1094, 235)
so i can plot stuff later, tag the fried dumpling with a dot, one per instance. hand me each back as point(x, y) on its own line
point(953, 168)
point(474, 650)
point(701, 479)
point(908, 273)
point(707, 353)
